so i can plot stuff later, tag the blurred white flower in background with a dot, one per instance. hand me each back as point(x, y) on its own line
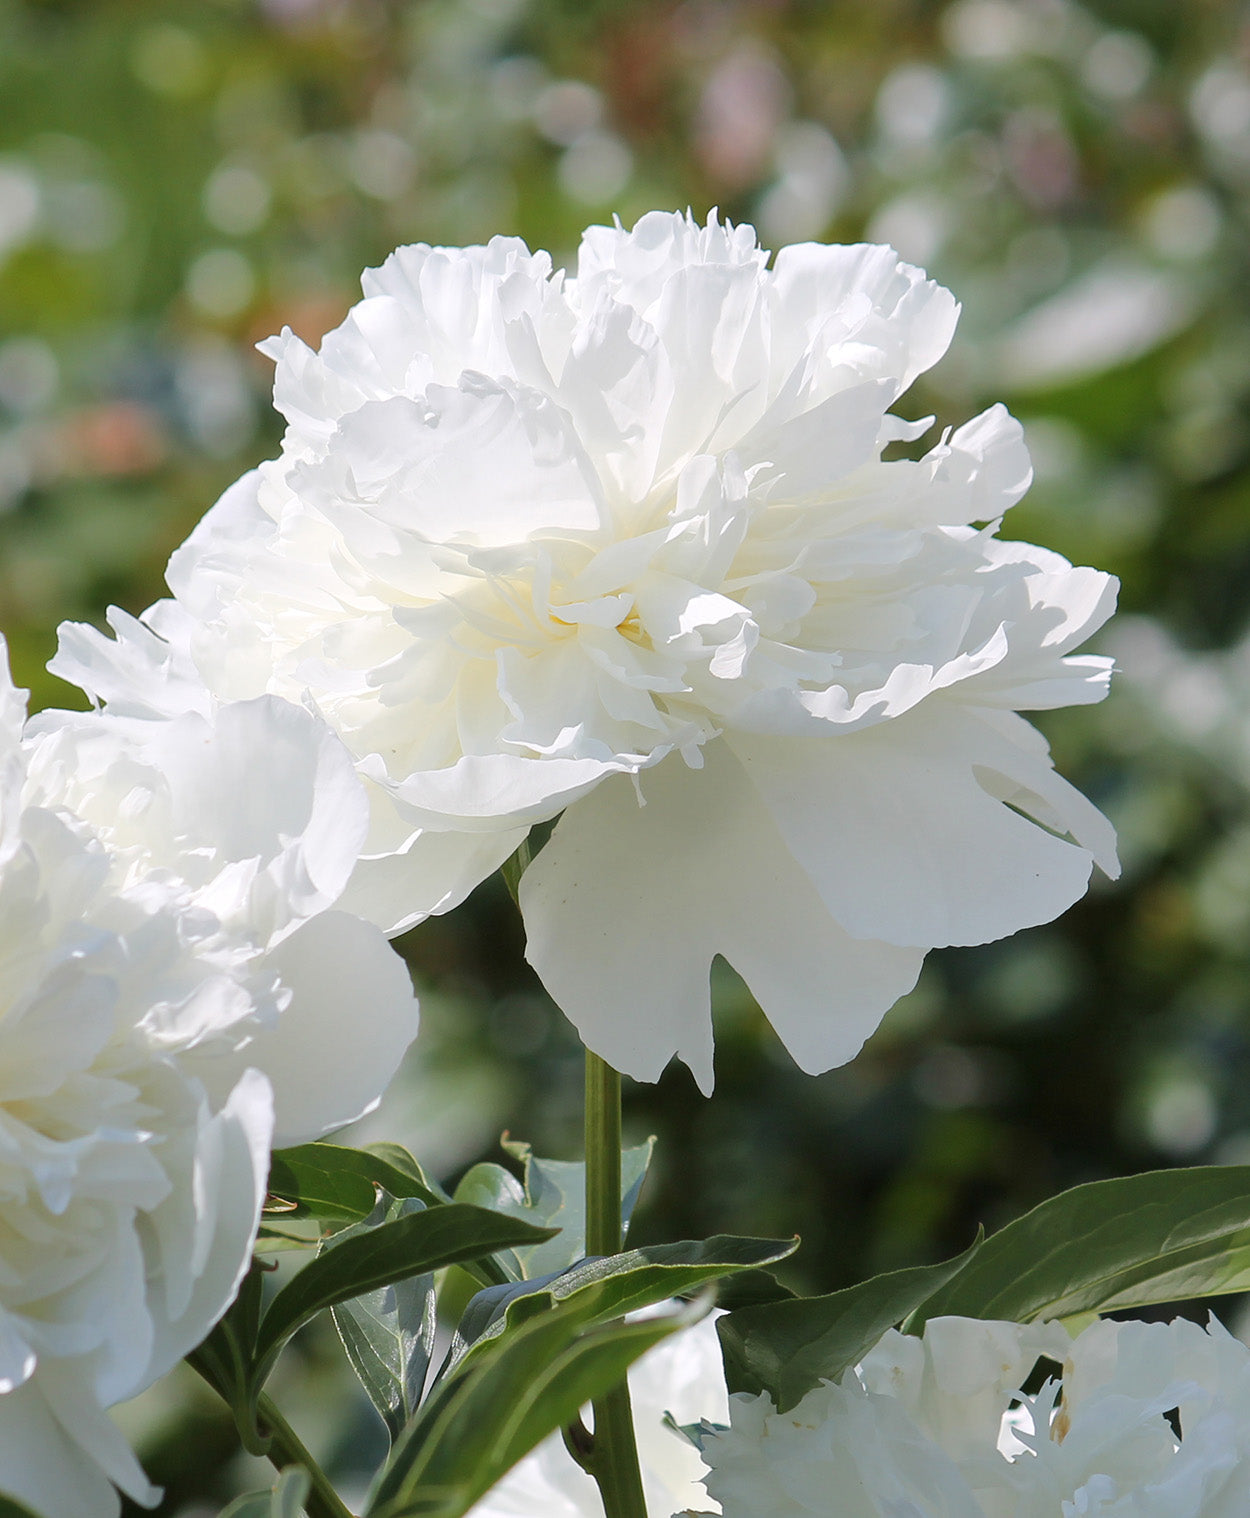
point(625, 547)
point(176, 991)
point(680, 1379)
point(1144, 1419)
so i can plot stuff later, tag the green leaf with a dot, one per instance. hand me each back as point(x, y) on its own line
point(377, 1257)
point(397, 1158)
point(613, 1285)
point(225, 1359)
point(276, 1237)
point(284, 1500)
point(751, 1288)
point(474, 1428)
point(388, 1334)
point(338, 1184)
point(11, 1508)
point(490, 1185)
point(546, 1352)
point(1165, 1236)
point(787, 1348)
point(553, 1192)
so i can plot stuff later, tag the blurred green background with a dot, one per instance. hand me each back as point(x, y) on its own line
point(179, 180)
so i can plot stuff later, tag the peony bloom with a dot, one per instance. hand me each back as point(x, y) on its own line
point(680, 1378)
point(625, 547)
point(1139, 1420)
point(173, 979)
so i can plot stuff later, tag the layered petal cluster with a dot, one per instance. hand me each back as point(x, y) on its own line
point(173, 974)
point(631, 547)
point(680, 1381)
point(1138, 1420)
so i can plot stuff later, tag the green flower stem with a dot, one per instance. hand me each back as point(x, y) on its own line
point(287, 1448)
point(514, 867)
point(603, 1157)
point(613, 1457)
point(610, 1453)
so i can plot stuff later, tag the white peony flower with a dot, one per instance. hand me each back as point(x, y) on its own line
point(681, 1378)
point(175, 994)
point(1143, 1420)
point(625, 547)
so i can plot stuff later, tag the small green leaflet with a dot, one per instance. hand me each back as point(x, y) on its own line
point(285, 1500)
point(553, 1192)
point(786, 1348)
point(388, 1333)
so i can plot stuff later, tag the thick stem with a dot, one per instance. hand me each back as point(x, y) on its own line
point(514, 867)
point(603, 1157)
point(287, 1448)
point(613, 1457)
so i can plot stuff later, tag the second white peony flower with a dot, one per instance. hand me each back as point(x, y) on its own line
point(625, 547)
point(177, 991)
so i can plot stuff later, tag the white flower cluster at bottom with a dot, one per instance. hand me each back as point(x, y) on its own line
point(1137, 1420)
point(1131, 1420)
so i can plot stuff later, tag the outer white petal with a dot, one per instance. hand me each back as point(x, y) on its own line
point(225, 1192)
point(904, 841)
point(306, 390)
point(51, 1439)
point(350, 1018)
point(433, 873)
point(626, 907)
point(12, 770)
point(975, 474)
point(489, 792)
point(236, 521)
point(683, 1378)
point(12, 703)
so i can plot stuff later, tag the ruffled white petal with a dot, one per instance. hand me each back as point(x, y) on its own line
point(144, 670)
point(862, 295)
point(1139, 1420)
